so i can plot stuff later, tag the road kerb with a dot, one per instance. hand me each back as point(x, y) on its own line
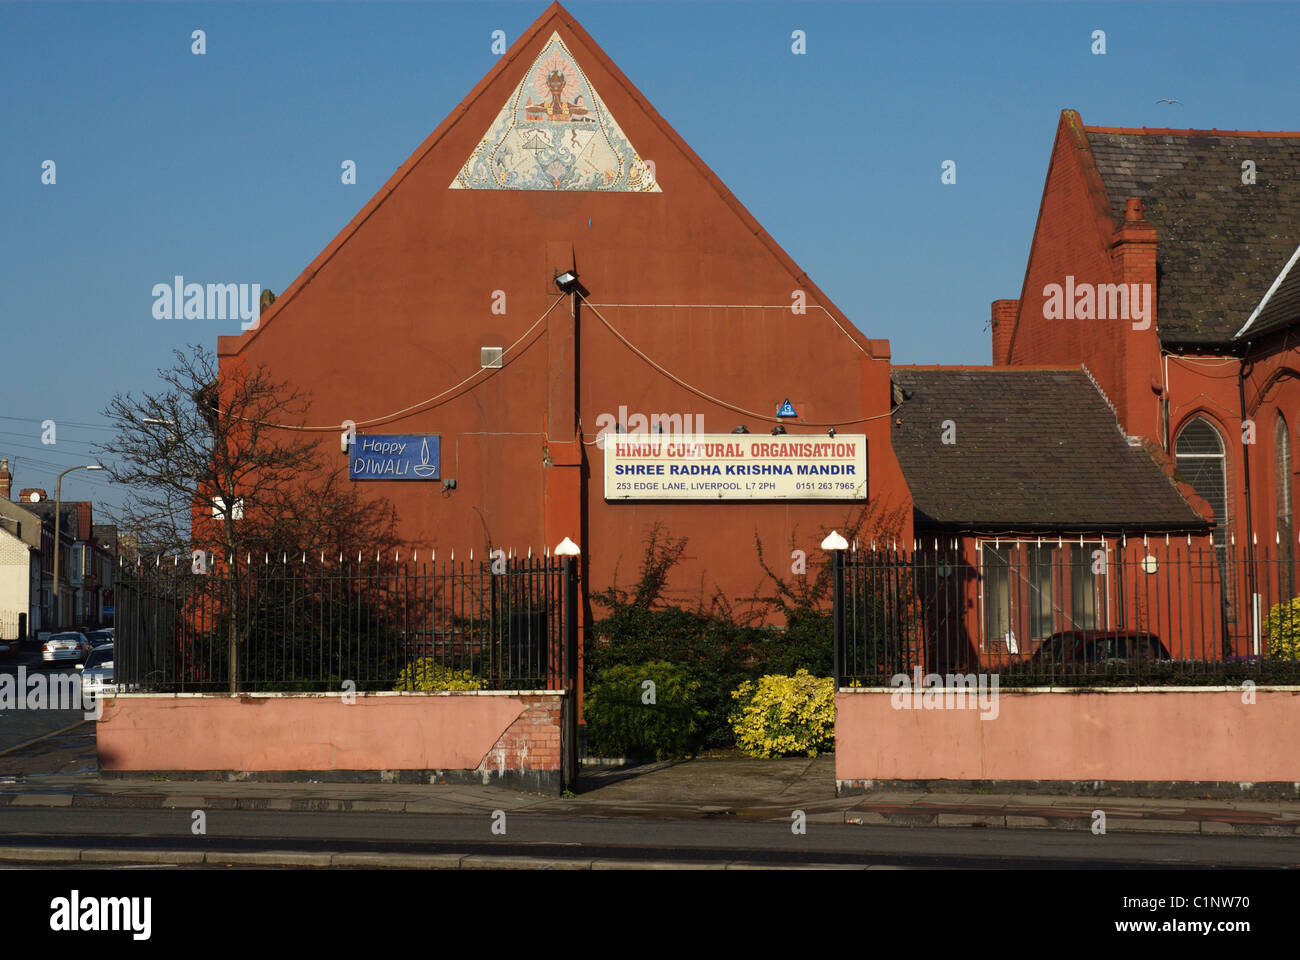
point(179, 857)
point(267, 858)
point(399, 861)
point(40, 854)
point(489, 861)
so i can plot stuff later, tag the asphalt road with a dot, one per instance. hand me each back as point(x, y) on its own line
point(628, 838)
point(19, 726)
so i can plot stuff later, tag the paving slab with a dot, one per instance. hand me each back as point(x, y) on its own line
point(719, 788)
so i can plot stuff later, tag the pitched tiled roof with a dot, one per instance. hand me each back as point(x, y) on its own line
point(1035, 450)
point(67, 511)
point(1221, 242)
point(1280, 306)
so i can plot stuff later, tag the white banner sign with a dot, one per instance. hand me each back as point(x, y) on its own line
point(728, 466)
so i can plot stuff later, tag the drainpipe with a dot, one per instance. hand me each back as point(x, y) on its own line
point(1242, 370)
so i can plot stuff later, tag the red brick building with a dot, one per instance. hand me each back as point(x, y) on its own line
point(437, 311)
point(1162, 262)
point(1036, 517)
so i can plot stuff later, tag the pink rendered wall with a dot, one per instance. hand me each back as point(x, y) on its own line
point(411, 732)
point(1203, 735)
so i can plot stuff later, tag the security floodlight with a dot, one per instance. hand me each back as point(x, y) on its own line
point(778, 430)
point(741, 429)
point(567, 280)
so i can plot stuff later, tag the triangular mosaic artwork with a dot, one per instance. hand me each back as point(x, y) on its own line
point(554, 133)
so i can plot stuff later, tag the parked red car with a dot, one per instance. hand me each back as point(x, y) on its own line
point(1091, 647)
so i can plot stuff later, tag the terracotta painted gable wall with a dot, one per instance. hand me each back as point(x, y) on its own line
point(397, 308)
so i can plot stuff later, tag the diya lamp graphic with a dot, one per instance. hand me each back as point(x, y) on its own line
point(424, 468)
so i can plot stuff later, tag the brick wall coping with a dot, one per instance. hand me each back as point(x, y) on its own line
point(337, 693)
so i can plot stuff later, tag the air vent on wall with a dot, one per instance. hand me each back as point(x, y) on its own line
point(490, 358)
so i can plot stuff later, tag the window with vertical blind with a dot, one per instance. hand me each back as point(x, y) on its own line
point(1199, 454)
point(997, 591)
point(1031, 590)
point(1282, 476)
point(1282, 501)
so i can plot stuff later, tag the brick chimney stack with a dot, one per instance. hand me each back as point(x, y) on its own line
point(6, 478)
point(1004, 324)
point(24, 495)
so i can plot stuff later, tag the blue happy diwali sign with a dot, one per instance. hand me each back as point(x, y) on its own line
point(394, 457)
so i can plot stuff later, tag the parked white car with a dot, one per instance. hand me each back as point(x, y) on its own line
point(70, 646)
point(97, 673)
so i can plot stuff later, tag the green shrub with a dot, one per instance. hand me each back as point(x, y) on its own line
point(806, 643)
point(425, 674)
point(620, 721)
point(1284, 630)
point(711, 651)
point(782, 716)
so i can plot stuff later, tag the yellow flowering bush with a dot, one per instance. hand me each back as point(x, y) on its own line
point(783, 716)
point(426, 674)
point(1284, 630)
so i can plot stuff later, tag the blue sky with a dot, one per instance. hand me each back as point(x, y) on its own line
point(225, 167)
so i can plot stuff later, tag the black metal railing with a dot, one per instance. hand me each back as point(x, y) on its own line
point(297, 624)
point(1083, 612)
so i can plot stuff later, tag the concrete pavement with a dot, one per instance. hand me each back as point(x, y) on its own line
point(731, 788)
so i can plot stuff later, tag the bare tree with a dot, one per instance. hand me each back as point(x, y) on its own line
point(213, 462)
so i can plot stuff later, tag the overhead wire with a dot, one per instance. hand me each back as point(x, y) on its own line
point(707, 396)
point(373, 421)
point(413, 407)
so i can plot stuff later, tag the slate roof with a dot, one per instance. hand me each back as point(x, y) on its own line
point(1035, 450)
point(1280, 307)
point(67, 511)
point(1222, 243)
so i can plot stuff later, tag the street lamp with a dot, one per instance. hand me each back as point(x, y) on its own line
point(58, 509)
